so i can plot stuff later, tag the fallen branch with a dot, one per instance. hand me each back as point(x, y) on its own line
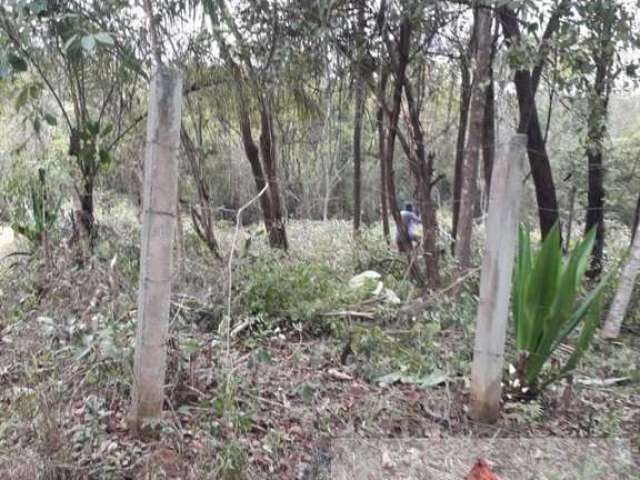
point(15, 254)
point(349, 313)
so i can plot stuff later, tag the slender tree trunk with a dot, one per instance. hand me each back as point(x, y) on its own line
point(158, 233)
point(383, 75)
point(489, 131)
point(430, 224)
point(526, 83)
point(402, 60)
point(394, 117)
point(253, 156)
point(465, 99)
point(329, 178)
point(541, 173)
point(359, 99)
point(277, 232)
point(595, 209)
point(597, 130)
point(474, 143)
point(357, 158)
point(422, 169)
point(625, 289)
point(264, 173)
point(86, 207)
point(384, 210)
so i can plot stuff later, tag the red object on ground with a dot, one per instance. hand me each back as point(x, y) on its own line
point(481, 471)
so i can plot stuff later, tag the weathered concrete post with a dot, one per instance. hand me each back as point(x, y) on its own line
point(627, 281)
point(495, 280)
point(158, 233)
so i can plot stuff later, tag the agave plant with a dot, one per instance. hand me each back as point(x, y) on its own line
point(546, 306)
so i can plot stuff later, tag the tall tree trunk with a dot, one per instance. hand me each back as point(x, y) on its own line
point(253, 156)
point(277, 232)
point(474, 143)
point(359, 99)
point(489, 130)
point(384, 210)
point(401, 62)
point(541, 172)
point(465, 99)
point(595, 204)
point(357, 159)
point(526, 83)
point(597, 130)
point(263, 173)
point(158, 233)
point(381, 89)
point(422, 169)
point(87, 208)
point(394, 117)
point(625, 289)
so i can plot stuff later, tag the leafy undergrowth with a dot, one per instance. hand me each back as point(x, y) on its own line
point(301, 374)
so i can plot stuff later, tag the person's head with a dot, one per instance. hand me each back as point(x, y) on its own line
point(408, 207)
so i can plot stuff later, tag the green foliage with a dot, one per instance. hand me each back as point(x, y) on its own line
point(92, 155)
point(371, 252)
point(545, 307)
point(297, 293)
point(41, 211)
point(17, 62)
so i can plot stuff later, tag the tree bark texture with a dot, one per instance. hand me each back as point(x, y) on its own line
point(402, 60)
point(489, 130)
point(597, 130)
point(465, 99)
point(526, 83)
point(474, 142)
point(264, 172)
point(422, 169)
point(394, 117)
point(277, 232)
point(359, 100)
point(384, 209)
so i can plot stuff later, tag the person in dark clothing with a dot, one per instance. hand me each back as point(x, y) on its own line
point(410, 221)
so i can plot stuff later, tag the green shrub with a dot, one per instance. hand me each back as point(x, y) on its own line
point(371, 252)
point(297, 293)
point(545, 306)
point(40, 211)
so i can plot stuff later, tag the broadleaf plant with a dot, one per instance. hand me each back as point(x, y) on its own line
point(547, 305)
